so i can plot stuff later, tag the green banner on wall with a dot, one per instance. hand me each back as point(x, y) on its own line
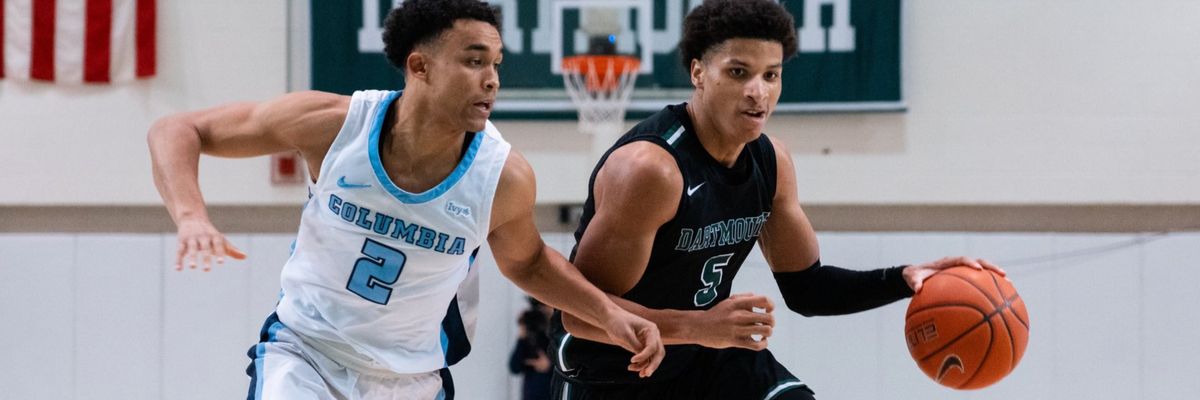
point(849, 57)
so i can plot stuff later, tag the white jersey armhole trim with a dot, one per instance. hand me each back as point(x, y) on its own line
point(360, 102)
point(491, 133)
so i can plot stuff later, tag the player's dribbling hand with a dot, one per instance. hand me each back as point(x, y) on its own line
point(639, 336)
point(735, 322)
point(200, 243)
point(916, 274)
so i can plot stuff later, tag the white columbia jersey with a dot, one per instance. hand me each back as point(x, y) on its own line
point(381, 278)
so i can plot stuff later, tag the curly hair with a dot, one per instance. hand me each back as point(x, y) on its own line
point(417, 22)
point(716, 21)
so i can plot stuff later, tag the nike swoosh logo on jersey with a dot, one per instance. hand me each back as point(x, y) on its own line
point(694, 189)
point(342, 184)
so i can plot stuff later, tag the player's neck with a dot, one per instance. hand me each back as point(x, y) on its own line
point(418, 151)
point(419, 135)
point(721, 147)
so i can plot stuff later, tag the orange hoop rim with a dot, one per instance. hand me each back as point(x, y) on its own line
point(582, 63)
point(609, 72)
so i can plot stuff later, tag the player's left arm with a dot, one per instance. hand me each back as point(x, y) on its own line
point(546, 275)
point(811, 288)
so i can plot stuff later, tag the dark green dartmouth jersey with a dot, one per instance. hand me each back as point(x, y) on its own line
point(695, 255)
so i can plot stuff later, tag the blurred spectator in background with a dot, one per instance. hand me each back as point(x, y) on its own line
point(529, 356)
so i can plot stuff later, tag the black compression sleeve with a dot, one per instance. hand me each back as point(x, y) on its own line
point(829, 290)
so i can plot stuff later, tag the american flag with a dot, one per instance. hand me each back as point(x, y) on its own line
point(74, 41)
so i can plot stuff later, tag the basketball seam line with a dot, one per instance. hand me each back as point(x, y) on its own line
point(1008, 301)
point(982, 312)
point(1006, 305)
point(986, 319)
point(986, 354)
point(1023, 322)
point(1012, 300)
point(1012, 348)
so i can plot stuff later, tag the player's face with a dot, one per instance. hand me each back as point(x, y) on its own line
point(738, 85)
point(464, 75)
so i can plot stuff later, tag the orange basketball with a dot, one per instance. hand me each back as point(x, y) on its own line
point(967, 328)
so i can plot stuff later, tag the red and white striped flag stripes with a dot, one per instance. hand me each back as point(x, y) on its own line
point(72, 41)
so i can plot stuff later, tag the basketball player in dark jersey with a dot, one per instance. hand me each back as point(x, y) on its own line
point(675, 207)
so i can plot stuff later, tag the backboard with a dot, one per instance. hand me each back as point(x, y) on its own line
point(849, 58)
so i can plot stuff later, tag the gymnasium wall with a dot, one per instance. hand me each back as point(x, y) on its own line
point(1016, 102)
point(1020, 112)
point(89, 316)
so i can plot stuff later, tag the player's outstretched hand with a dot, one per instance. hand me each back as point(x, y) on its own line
point(916, 274)
point(200, 244)
point(639, 336)
point(736, 322)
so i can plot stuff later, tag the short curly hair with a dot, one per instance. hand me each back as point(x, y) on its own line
point(716, 21)
point(417, 22)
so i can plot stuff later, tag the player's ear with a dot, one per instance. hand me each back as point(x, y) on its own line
point(417, 65)
point(697, 73)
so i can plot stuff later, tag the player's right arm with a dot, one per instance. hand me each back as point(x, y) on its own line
point(810, 288)
point(637, 191)
point(306, 122)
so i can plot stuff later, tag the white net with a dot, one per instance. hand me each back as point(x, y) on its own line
point(600, 87)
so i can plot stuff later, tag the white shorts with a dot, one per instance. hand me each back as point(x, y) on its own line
point(284, 367)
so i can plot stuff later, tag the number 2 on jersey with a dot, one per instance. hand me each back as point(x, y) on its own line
point(711, 277)
point(373, 274)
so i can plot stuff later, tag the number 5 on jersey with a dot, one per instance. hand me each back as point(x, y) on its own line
point(711, 277)
point(374, 274)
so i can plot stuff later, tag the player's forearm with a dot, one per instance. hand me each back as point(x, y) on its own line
point(829, 290)
point(554, 281)
point(175, 158)
point(584, 330)
point(675, 326)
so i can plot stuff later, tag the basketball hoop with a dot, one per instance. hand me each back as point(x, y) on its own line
point(600, 86)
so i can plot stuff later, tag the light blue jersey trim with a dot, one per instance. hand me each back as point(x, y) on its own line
point(260, 352)
point(382, 176)
point(471, 259)
point(445, 347)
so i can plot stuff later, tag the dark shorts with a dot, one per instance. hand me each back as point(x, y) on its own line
point(727, 374)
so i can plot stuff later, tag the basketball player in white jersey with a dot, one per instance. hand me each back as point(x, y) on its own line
point(379, 296)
